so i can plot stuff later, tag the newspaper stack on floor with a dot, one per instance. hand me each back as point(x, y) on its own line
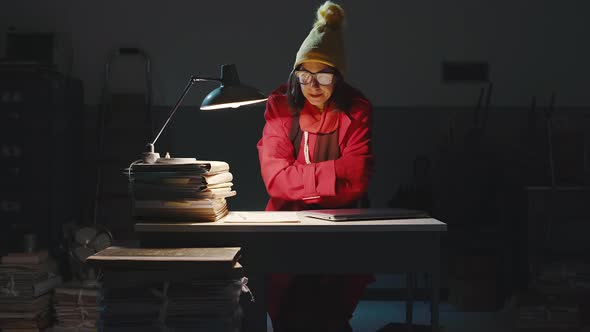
point(192, 191)
point(26, 282)
point(180, 289)
point(76, 308)
point(558, 298)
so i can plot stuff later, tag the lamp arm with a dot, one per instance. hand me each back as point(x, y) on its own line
point(192, 81)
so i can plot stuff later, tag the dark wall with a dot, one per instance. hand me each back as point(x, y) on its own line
point(394, 55)
point(477, 169)
point(394, 48)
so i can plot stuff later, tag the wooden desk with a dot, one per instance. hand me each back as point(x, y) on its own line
point(310, 246)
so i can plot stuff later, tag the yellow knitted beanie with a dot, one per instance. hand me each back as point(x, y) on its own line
point(324, 43)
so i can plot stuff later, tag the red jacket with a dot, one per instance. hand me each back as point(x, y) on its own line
point(294, 185)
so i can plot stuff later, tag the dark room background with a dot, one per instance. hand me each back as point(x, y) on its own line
point(435, 148)
point(395, 50)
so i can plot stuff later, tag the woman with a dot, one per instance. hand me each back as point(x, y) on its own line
point(315, 153)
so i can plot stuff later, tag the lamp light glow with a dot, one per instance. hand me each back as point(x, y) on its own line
point(231, 105)
point(231, 94)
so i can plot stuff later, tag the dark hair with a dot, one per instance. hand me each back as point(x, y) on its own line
point(341, 96)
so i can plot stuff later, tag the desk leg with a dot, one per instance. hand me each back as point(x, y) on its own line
point(434, 310)
point(410, 285)
point(255, 319)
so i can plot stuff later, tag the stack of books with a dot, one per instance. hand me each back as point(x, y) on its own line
point(26, 282)
point(192, 191)
point(180, 289)
point(76, 308)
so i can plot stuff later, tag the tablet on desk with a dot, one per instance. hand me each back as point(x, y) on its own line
point(363, 214)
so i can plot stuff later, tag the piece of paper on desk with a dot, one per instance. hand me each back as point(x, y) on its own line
point(261, 217)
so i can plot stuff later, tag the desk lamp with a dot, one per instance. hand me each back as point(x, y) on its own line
point(230, 94)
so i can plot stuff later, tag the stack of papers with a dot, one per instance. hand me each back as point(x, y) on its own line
point(557, 298)
point(194, 191)
point(76, 308)
point(192, 305)
point(26, 282)
point(180, 289)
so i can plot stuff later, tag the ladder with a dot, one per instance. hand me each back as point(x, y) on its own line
point(124, 126)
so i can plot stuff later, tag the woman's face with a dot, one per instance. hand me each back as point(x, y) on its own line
point(317, 94)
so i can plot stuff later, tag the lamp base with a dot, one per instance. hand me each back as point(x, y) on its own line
point(150, 157)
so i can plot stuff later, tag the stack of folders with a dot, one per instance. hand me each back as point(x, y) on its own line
point(194, 191)
point(26, 282)
point(184, 289)
point(76, 308)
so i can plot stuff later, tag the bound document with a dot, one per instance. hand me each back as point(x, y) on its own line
point(200, 258)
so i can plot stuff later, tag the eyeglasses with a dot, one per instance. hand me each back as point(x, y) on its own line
point(305, 77)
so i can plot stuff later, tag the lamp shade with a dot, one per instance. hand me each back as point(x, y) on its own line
point(232, 93)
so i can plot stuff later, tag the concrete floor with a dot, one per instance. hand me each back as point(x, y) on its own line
point(370, 316)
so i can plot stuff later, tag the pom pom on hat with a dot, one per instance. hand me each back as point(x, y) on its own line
point(330, 14)
point(324, 43)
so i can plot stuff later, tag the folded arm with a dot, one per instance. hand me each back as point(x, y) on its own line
point(333, 182)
